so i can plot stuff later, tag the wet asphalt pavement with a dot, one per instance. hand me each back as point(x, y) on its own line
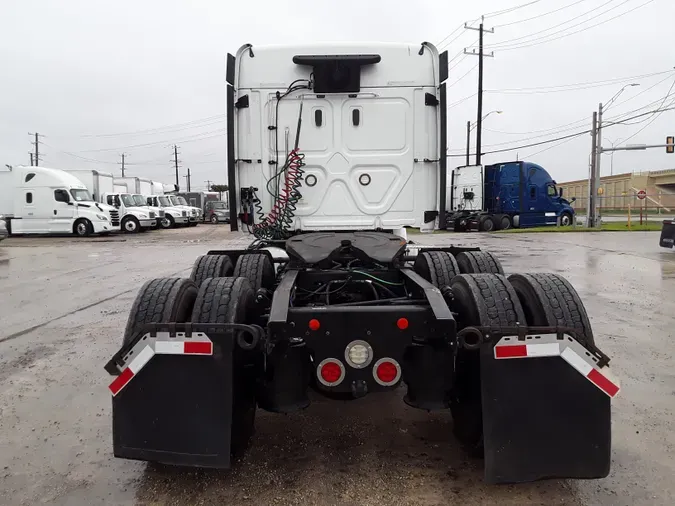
point(64, 304)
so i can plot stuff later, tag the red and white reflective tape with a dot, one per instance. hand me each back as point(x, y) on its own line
point(162, 344)
point(570, 350)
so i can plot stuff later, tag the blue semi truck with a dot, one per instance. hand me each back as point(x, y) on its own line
point(505, 195)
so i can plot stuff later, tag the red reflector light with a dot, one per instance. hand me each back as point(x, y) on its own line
point(402, 323)
point(331, 372)
point(314, 324)
point(386, 372)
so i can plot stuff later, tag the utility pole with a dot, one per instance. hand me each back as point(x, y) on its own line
point(123, 155)
point(480, 54)
point(187, 178)
point(591, 213)
point(598, 155)
point(36, 147)
point(31, 158)
point(175, 162)
point(468, 140)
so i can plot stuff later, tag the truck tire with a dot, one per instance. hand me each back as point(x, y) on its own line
point(167, 222)
point(483, 300)
point(257, 268)
point(83, 228)
point(161, 300)
point(131, 225)
point(214, 219)
point(550, 300)
point(228, 300)
point(505, 222)
point(437, 267)
point(211, 266)
point(566, 220)
point(486, 223)
point(479, 262)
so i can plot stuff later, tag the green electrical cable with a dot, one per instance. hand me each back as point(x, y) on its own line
point(378, 279)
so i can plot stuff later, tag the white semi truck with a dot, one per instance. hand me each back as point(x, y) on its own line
point(346, 143)
point(105, 189)
point(173, 216)
point(41, 200)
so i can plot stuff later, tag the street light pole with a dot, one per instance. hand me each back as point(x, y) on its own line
point(469, 127)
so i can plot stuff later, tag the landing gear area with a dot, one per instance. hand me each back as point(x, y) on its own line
point(351, 314)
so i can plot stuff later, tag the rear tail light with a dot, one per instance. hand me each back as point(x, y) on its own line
point(387, 372)
point(330, 372)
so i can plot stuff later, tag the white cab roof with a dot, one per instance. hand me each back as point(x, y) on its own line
point(401, 64)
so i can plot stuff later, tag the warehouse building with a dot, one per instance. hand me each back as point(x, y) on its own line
point(619, 191)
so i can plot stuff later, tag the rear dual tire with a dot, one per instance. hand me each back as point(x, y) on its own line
point(492, 300)
point(217, 300)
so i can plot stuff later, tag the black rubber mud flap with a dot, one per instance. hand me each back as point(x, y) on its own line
point(667, 239)
point(178, 410)
point(542, 419)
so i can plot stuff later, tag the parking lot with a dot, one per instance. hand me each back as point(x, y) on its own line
point(64, 304)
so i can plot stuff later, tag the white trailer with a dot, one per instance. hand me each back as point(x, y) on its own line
point(132, 184)
point(157, 188)
point(145, 186)
point(40, 200)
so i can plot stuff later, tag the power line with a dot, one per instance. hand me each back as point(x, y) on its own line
point(528, 42)
point(450, 35)
point(78, 156)
point(468, 72)
point(189, 138)
point(529, 35)
point(577, 134)
point(511, 9)
point(655, 116)
point(576, 86)
point(518, 21)
point(147, 130)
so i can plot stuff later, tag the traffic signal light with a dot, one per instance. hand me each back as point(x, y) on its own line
point(670, 144)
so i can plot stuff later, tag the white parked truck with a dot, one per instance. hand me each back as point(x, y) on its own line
point(41, 200)
point(194, 213)
point(105, 189)
point(173, 216)
point(98, 183)
point(346, 308)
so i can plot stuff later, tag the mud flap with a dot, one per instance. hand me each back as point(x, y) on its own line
point(542, 419)
point(176, 409)
point(667, 239)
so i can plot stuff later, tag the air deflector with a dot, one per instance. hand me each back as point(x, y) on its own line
point(337, 73)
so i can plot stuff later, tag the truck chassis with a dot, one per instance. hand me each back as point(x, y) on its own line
point(349, 314)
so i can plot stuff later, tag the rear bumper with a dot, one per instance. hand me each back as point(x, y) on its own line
point(667, 239)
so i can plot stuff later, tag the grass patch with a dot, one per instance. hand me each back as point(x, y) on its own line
point(618, 226)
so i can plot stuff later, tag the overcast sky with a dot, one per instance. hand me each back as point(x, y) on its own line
point(77, 71)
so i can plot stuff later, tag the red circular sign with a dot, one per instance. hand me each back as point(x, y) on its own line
point(642, 194)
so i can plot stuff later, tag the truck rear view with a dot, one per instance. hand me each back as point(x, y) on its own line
point(356, 312)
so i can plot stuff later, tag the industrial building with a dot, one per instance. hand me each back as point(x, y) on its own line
point(619, 191)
